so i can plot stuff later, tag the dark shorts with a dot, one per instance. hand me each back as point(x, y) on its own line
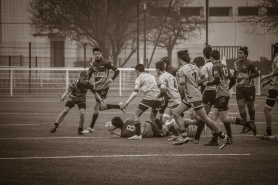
point(102, 94)
point(247, 93)
point(81, 104)
point(196, 105)
point(221, 103)
point(145, 104)
point(209, 97)
point(163, 107)
point(271, 98)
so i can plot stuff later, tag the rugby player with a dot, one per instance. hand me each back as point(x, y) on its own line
point(189, 75)
point(147, 83)
point(244, 72)
point(77, 95)
point(272, 96)
point(100, 67)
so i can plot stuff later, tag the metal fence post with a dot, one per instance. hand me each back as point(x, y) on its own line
point(120, 83)
point(67, 78)
point(11, 82)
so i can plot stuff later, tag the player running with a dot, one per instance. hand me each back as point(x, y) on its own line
point(127, 127)
point(77, 91)
point(244, 72)
point(100, 68)
point(272, 96)
point(189, 75)
point(147, 83)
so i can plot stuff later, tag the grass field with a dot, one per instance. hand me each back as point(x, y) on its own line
point(29, 154)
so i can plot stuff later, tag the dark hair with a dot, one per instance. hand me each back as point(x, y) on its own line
point(182, 52)
point(206, 51)
point(244, 49)
point(160, 65)
point(96, 49)
point(199, 61)
point(215, 54)
point(166, 60)
point(140, 67)
point(117, 122)
point(83, 73)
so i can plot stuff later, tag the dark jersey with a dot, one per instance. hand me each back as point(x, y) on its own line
point(172, 70)
point(78, 90)
point(100, 69)
point(220, 70)
point(244, 67)
point(128, 129)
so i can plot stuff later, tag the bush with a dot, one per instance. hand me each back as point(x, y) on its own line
point(80, 63)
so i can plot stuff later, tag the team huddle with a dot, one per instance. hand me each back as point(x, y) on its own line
point(200, 86)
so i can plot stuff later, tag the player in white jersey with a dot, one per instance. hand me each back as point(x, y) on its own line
point(272, 96)
point(189, 75)
point(147, 83)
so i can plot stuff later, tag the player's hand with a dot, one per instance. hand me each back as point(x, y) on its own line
point(245, 76)
point(205, 83)
point(265, 83)
point(62, 99)
point(110, 80)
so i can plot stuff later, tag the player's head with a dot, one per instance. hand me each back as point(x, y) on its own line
point(83, 77)
point(183, 56)
point(275, 47)
point(97, 53)
point(166, 60)
point(214, 56)
point(160, 67)
point(206, 52)
point(140, 68)
point(242, 53)
point(199, 62)
point(117, 122)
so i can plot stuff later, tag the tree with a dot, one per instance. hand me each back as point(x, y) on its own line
point(267, 17)
point(108, 24)
point(178, 26)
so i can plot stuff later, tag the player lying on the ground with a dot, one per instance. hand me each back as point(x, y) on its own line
point(77, 91)
point(127, 127)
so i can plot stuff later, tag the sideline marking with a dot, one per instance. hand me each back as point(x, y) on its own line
point(114, 156)
point(55, 138)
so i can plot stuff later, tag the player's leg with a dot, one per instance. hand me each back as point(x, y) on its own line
point(241, 103)
point(62, 115)
point(214, 138)
point(250, 96)
point(157, 132)
point(82, 109)
point(201, 123)
point(164, 105)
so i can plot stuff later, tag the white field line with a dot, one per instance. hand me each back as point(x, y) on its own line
point(122, 156)
point(39, 138)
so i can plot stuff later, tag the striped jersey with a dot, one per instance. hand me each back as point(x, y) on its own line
point(190, 73)
point(100, 69)
point(221, 70)
point(78, 90)
point(244, 67)
point(128, 129)
point(274, 66)
point(147, 83)
point(207, 70)
point(171, 84)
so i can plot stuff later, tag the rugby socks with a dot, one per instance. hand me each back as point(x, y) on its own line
point(56, 125)
point(252, 115)
point(111, 106)
point(214, 137)
point(243, 117)
point(201, 125)
point(138, 128)
point(95, 116)
point(228, 129)
point(173, 130)
point(221, 135)
point(268, 131)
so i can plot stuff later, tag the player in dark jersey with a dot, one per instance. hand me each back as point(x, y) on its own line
point(127, 127)
point(244, 72)
point(221, 75)
point(100, 68)
point(77, 91)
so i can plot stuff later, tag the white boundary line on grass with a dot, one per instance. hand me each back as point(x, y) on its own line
point(37, 138)
point(119, 156)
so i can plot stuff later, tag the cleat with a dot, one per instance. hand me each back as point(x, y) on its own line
point(251, 126)
point(53, 130)
point(181, 141)
point(122, 107)
point(268, 137)
point(225, 140)
point(173, 138)
point(245, 129)
point(135, 137)
point(80, 132)
point(212, 143)
point(195, 141)
point(230, 141)
point(88, 130)
point(184, 135)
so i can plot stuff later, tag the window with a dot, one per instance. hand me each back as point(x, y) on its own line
point(190, 11)
point(248, 11)
point(219, 11)
point(272, 11)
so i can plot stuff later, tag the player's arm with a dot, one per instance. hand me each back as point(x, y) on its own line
point(115, 69)
point(232, 79)
point(216, 80)
point(180, 77)
point(203, 77)
point(93, 90)
point(69, 89)
point(255, 73)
